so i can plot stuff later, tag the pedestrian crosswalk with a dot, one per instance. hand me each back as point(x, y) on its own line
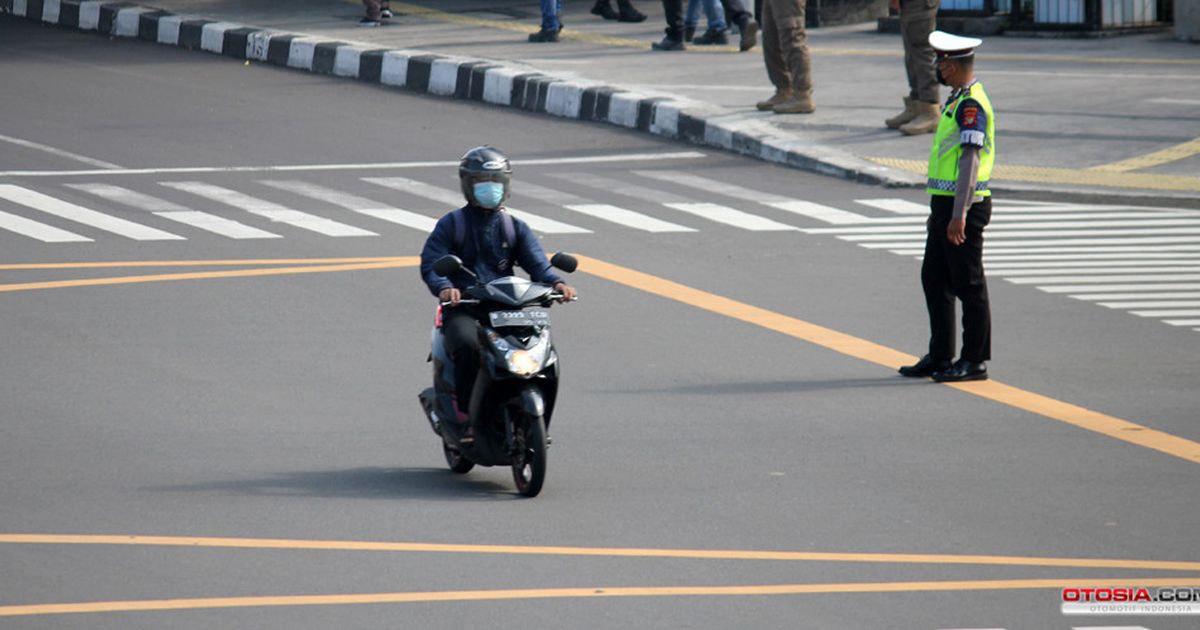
point(1144, 260)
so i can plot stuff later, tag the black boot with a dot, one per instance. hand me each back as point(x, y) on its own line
point(604, 9)
point(628, 13)
point(688, 33)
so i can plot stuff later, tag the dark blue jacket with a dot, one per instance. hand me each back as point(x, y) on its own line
point(484, 251)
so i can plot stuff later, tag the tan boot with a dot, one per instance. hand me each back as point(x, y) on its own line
point(926, 120)
point(908, 114)
point(800, 103)
point(781, 96)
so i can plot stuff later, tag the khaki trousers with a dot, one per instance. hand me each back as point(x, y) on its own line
point(918, 18)
point(785, 46)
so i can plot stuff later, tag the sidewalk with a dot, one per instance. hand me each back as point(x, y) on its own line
point(1101, 116)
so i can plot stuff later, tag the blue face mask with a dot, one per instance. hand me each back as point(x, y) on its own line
point(488, 194)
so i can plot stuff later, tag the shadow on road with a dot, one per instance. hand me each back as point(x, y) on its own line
point(363, 483)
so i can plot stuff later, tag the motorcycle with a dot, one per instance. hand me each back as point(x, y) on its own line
point(515, 389)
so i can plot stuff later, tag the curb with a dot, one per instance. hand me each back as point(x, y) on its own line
point(464, 78)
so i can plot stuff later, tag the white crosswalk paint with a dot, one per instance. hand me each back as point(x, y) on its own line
point(523, 189)
point(1109, 628)
point(1166, 277)
point(1190, 312)
point(1183, 322)
point(1136, 256)
point(1033, 228)
point(819, 212)
point(355, 203)
point(1134, 295)
point(730, 216)
point(1008, 272)
point(628, 218)
point(1179, 234)
point(1057, 244)
point(1141, 286)
point(1161, 304)
point(898, 206)
point(86, 216)
point(174, 212)
point(39, 231)
point(268, 209)
point(455, 200)
point(803, 208)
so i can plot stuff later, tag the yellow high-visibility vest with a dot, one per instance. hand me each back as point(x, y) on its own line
point(947, 147)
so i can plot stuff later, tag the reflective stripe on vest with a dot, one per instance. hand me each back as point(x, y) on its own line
point(947, 148)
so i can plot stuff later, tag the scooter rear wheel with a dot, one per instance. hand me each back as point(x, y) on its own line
point(455, 459)
point(529, 466)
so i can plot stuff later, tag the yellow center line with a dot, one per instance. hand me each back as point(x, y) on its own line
point(606, 552)
point(411, 261)
point(881, 355)
point(1150, 160)
point(1080, 177)
point(580, 593)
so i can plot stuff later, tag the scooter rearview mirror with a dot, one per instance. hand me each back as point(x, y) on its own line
point(564, 261)
point(447, 265)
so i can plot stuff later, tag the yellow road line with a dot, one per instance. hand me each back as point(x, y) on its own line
point(195, 263)
point(881, 355)
point(581, 593)
point(411, 261)
point(1158, 158)
point(1081, 177)
point(607, 552)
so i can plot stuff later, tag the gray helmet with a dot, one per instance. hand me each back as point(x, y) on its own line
point(483, 164)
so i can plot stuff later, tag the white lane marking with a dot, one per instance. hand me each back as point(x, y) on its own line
point(1062, 269)
point(1057, 244)
point(804, 208)
point(272, 211)
point(174, 212)
point(1166, 277)
point(1174, 101)
point(1160, 304)
point(1146, 256)
point(86, 216)
point(1015, 234)
point(39, 231)
point(355, 203)
point(1183, 322)
point(627, 189)
point(1053, 228)
point(819, 212)
point(898, 206)
point(627, 157)
point(1017, 248)
point(546, 194)
point(1101, 288)
point(730, 216)
point(1109, 628)
point(59, 152)
point(1168, 313)
point(1134, 295)
point(628, 218)
point(455, 200)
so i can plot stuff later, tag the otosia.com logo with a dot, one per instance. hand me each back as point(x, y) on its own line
point(1130, 601)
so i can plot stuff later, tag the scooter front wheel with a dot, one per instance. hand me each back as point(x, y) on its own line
point(455, 459)
point(529, 464)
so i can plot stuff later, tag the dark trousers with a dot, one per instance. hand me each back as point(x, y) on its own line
point(949, 272)
point(461, 332)
point(735, 13)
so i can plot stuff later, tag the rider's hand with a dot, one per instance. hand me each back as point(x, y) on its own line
point(567, 290)
point(450, 295)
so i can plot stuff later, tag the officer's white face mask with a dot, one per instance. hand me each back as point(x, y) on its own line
point(488, 194)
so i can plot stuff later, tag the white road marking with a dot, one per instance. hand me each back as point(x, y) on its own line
point(454, 200)
point(1168, 313)
point(59, 152)
point(1137, 256)
point(1134, 295)
point(627, 157)
point(730, 216)
point(39, 231)
point(1007, 271)
point(1183, 322)
point(1101, 288)
point(174, 212)
point(1052, 228)
point(1057, 244)
point(1003, 234)
point(86, 216)
point(355, 203)
point(1161, 304)
point(1166, 277)
point(804, 208)
point(898, 206)
point(1174, 101)
point(628, 218)
point(272, 211)
point(627, 189)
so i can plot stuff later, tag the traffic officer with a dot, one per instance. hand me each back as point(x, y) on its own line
point(960, 164)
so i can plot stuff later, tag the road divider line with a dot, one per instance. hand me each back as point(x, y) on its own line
point(606, 552)
point(858, 348)
point(1178, 152)
point(577, 593)
point(208, 275)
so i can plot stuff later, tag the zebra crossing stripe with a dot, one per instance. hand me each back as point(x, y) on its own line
point(79, 214)
point(455, 200)
point(174, 212)
point(730, 216)
point(897, 206)
point(354, 203)
point(270, 210)
point(803, 208)
point(1167, 295)
point(1166, 277)
point(39, 231)
point(1130, 261)
point(1057, 244)
point(628, 218)
point(1008, 272)
point(1162, 304)
point(1144, 256)
point(1183, 322)
point(1101, 288)
point(1168, 313)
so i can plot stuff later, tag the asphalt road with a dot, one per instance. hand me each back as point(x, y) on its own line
point(283, 407)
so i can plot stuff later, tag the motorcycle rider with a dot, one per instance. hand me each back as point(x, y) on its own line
point(489, 241)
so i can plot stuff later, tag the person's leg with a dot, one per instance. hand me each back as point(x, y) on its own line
point(550, 9)
point(715, 14)
point(970, 285)
point(461, 333)
point(692, 19)
point(772, 52)
point(793, 39)
point(936, 282)
point(673, 12)
point(918, 18)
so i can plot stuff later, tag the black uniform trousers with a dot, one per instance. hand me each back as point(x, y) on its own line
point(461, 331)
point(956, 271)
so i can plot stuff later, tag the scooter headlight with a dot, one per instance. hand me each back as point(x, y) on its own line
point(523, 362)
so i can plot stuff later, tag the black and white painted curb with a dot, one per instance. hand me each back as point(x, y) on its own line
point(463, 78)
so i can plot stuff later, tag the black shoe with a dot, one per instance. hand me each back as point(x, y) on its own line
point(962, 370)
point(668, 44)
point(544, 36)
point(689, 32)
point(925, 367)
point(628, 13)
point(749, 32)
point(604, 9)
point(711, 37)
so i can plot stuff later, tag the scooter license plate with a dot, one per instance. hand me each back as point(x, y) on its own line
point(529, 317)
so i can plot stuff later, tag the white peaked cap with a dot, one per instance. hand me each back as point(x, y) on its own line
point(953, 45)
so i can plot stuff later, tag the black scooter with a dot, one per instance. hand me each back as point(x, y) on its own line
point(513, 398)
